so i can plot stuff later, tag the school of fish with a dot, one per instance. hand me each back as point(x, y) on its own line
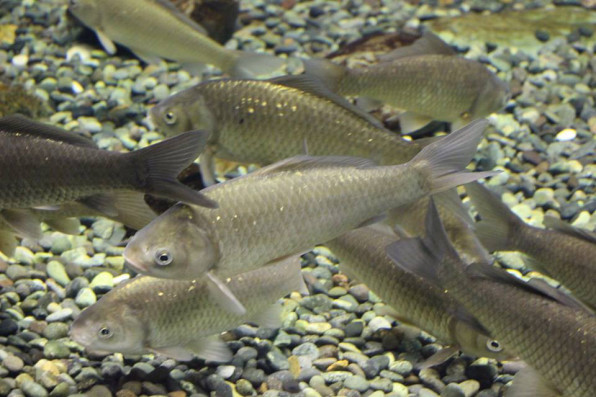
point(389, 208)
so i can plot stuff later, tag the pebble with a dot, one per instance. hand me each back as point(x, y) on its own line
point(567, 134)
point(55, 349)
point(59, 315)
point(32, 389)
point(56, 271)
point(13, 363)
point(85, 297)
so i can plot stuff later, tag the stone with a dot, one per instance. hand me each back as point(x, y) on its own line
point(56, 349)
point(32, 389)
point(56, 271)
point(13, 363)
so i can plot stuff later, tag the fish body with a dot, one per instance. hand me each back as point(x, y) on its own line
point(426, 79)
point(46, 166)
point(178, 318)
point(288, 207)
point(562, 252)
point(557, 340)
point(264, 122)
point(416, 301)
point(155, 29)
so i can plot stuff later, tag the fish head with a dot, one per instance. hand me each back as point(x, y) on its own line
point(103, 328)
point(182, 112)
point(175, 245)
point(475, 343)
point(86, 10)
point(493, 97)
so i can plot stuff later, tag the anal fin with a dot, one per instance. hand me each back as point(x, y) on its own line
point(106, 42)
point(410, 122)
point(270, 317)
point(23, 222)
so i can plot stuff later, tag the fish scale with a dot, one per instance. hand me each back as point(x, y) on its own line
point(452, 84)
point(41, 171)
point(263, 122)
point(557, 341)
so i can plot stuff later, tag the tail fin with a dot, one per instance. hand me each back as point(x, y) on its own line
point(328, 72)
point(498, 222)
point(163, 162)
point(447, 158)
point(423, 257)
point(251, 64)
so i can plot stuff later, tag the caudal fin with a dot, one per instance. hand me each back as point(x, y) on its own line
point(249, 65)
point(447, 158)
point(162, 162)
point(498, 222)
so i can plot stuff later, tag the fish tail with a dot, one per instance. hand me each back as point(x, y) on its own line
point(446, 159)
point(331, 74)
point(498, 222)
point(251, 64)
point(161, 163)
point(423, 256)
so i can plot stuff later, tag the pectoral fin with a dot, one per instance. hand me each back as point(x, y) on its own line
point(210, 348)
point(103, 203)
point(529, 383)
point(106, 42)
point(438, 358)
point(224, 296)
point(270, 317)
point(65, 225)
point(8, 243)
point(207, 167)
point(23, 222)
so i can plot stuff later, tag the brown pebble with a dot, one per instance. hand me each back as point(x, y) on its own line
point(531, 156)
point(125, 393)
point(133, 386)
point(99, 391)
point(177, 393)
point(38, 326)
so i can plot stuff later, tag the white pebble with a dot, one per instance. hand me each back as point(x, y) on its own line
point(20, 61)
point(567, 134)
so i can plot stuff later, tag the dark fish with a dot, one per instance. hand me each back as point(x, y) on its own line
point(553, 333)
point(561, 251)
point(362, 256)
point(45, 166)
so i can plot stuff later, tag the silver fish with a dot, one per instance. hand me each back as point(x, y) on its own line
point(267, 121)
point(178, 318)
point(288, 207)
point(155, 29)
point(426, 79)
point(551, 332)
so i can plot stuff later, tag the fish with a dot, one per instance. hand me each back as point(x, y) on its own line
point(290, 206)
point(561, 251)
point(362, 256)
point(426, 80)
point(156, 29)
point(46, 166)
point(552, 332)
point(179, 319)
point(262, 122)
point(408, 221)
point(131, 209)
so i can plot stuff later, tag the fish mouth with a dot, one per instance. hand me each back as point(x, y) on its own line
point(138, 266)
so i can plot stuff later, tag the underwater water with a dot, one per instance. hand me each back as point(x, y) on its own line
point(339, 336)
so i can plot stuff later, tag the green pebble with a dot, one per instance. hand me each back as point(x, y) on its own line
point(244, 388)
point(5, 388)
point(60, 244)
point(85, 297)
point(61, 390)
point(103, 279)
point(55, 349)
point(356, 382)
point(32, 389)
point(56, 271)
point(55, 331)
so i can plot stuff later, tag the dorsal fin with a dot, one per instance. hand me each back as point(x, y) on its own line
point(298, 163)
point(563, 227)
point(536, 286)
point(167, 4)
point(316, 87)
point(20, 124)
point(428, 44)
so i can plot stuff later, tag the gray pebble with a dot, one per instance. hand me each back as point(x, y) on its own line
point(356, 382)
point(60, 315)
point(452, 390)
point(307, 349)
point(13, 363)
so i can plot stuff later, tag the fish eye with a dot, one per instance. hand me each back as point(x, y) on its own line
point(163, 258)
point(170, 118)
point(494, 346)
point(105, 333)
